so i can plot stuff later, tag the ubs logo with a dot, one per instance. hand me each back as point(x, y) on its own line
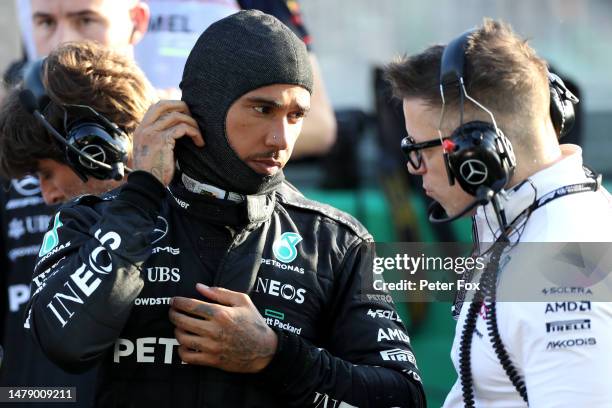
point(163, 274)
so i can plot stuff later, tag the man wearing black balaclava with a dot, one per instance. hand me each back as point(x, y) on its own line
point(207, 280)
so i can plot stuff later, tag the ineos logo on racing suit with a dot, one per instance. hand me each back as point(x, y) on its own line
point(83, 278)
point(275, 288)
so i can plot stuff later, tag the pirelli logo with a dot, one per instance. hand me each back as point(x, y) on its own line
point(398, 355)
point(568, 325)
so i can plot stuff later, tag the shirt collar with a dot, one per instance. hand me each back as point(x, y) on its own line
point(568, 170)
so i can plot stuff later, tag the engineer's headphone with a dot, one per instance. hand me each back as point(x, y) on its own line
point(478, 153)
point(94, 146)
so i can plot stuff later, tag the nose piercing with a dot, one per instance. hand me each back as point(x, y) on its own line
point(274, 137)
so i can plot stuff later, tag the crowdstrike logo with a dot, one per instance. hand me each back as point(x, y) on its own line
point(285, 247)
point(474, 171)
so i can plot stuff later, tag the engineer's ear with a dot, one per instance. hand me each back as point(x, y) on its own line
point(140, 18)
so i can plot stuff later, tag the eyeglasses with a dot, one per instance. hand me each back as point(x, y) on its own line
point(412, 150)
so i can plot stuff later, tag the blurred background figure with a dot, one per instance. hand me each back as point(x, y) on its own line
point(24, 216)
point(359, 174)
point(174, 27)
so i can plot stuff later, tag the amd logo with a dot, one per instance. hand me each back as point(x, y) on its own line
point(582, 306)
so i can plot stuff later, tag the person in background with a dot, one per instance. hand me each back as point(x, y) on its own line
point(174, 27)
point(25, 214)
point(490, 149)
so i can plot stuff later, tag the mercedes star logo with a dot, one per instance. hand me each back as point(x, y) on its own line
point(474, 171)
point(26, 186)
point(96, 153)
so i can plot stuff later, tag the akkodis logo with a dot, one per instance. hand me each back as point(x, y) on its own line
point(284, 248)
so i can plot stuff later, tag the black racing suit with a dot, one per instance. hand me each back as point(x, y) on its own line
point(24, 218)
point(110, 265)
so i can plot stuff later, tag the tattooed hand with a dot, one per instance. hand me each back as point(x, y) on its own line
point(229, 334)
point(155, 137)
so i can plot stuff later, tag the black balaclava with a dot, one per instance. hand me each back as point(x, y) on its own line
point(235, 55)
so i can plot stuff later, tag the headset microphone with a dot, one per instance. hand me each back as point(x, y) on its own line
point(437, 214)
point(28, 100)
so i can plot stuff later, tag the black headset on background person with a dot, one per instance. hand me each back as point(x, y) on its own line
point(477, 154)
point(93, 145)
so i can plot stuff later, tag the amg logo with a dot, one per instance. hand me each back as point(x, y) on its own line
point(170, 250)
point(398, 355)
point(560, 344)
point(581, 306)
point(568, 325)
point(392, 334)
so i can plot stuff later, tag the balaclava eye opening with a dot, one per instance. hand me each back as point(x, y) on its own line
point(238, 54)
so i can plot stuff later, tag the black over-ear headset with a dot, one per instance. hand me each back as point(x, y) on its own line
point(94, 146)
point(477, 154)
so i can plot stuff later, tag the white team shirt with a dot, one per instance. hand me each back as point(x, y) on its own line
point(562, 346)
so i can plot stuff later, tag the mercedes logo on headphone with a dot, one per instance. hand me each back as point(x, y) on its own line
point(95, 152)
point(474, 171)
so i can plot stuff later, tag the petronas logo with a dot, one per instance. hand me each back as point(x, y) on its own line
point(284, 248)
point(51, 239)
